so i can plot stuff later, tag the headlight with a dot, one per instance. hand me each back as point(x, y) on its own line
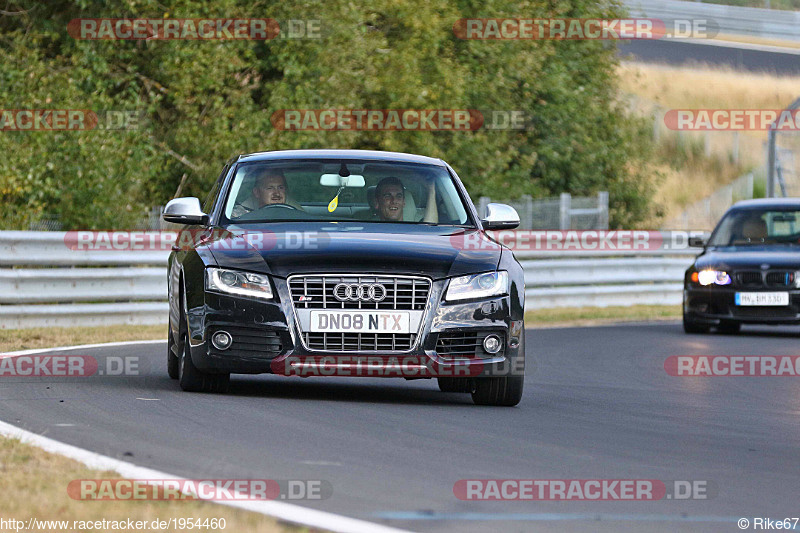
point(238, 283)
point(477, 286)
point(707, 277)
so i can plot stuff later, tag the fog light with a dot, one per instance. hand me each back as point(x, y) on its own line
point(221, 340)
point(491, 344)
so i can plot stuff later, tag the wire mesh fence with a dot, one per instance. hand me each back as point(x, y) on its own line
point(784, 159)
point(562, 212)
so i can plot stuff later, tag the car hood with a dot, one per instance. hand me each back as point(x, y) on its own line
point(749, 258)
point(283, 249)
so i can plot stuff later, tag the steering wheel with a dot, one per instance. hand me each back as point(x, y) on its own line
point(287, 206)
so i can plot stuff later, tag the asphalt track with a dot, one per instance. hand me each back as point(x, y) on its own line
point(598, 405)
point(677, 52)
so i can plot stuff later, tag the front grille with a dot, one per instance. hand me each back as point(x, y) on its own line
point(749, 278)
point(769, 278)
point(249, 342)
point(353, 342)
point(401, 293)
point(466, 344)
point(780, 278)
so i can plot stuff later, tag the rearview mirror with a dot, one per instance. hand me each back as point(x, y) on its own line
point(335, 180)
point(500, 216)
point(185, 211)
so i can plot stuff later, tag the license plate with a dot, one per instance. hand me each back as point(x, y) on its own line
point(762, 298)
point(361, 321)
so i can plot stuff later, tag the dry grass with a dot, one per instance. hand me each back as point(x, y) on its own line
point(705, 87)
point(588, 316)
point(34, 485)
point(751, 39)
point(26, 339)
point(689, 170)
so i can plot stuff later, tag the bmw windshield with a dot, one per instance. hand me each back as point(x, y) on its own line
point(343, 190)
point(758, 227)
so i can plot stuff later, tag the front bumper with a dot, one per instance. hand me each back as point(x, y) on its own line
point(267, 339)
point(712, 304)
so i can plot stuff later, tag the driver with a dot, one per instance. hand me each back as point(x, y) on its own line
point(270, 189)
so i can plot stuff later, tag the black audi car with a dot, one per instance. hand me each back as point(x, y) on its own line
point(344, 263)
point(749, 271)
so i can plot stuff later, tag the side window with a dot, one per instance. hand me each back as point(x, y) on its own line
point(212, 196)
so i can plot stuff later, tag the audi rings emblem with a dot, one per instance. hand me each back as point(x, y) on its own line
point(359, 292)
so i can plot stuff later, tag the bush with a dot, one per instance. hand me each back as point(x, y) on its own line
point(205, 101)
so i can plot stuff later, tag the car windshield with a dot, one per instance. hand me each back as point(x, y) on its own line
point(343, 190)
point(749, 227)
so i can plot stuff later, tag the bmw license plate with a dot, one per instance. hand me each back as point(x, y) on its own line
point(361, 321)
point(762, 298)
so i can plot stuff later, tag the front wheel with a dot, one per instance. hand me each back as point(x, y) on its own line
point(503, 391)
point(690, 326)
point(173, 361)
point(193, 380)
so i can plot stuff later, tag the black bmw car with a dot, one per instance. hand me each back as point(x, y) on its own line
point(749, 270)
point(345, 263)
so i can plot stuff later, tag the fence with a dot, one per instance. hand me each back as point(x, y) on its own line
point(564, 212)
point(758, 22)
point(44, 283)
point(783, 160)
point(705, 213)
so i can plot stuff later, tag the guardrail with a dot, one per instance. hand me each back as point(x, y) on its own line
point(43, 282)
point(758, 22)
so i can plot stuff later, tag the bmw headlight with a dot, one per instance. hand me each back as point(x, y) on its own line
point(477, 286)
point(238, 283)
point(707, 277)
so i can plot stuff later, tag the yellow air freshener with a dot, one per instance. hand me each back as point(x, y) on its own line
point(334, 204)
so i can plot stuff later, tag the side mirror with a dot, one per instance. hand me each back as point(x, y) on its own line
point(185, 211)
point(500, 216)
point(698, 242)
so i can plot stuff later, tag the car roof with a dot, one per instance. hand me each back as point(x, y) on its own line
point(341, 154)
point(767, 203)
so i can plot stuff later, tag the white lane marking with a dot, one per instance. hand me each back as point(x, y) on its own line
point(320, 463)
point(82, 347)
point(149, 399)
point(280, 510)
point(63, 425)
point(550, 517)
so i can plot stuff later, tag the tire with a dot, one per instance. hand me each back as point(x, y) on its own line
point(690, 326)
point(730, 328)
point(503, 391)
point(455, 384)
point(173, 361)
point(193, 380)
